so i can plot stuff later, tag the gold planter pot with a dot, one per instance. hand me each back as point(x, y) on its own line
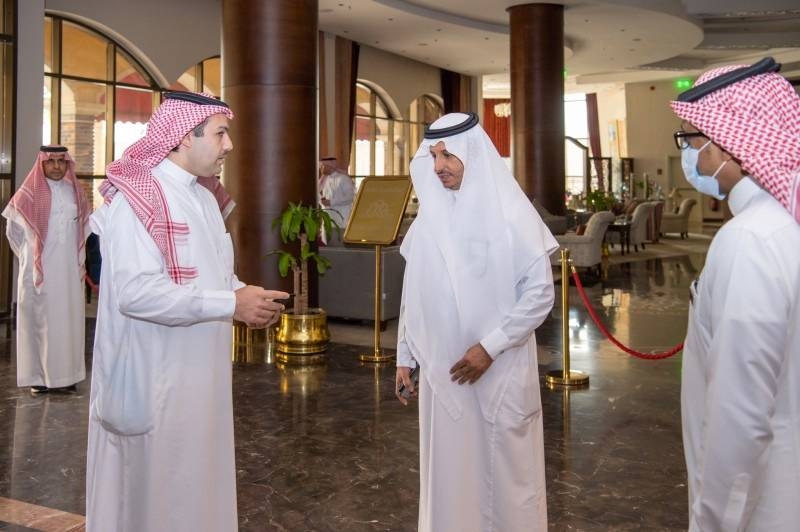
point(302, 338)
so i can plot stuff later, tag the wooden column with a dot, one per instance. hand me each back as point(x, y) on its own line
point(537, 101)
point(269, 76)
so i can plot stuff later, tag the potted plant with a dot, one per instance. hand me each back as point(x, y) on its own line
point(599, 200)
point(302, 330)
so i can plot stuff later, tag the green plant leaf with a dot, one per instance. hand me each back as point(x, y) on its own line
point(311, 227)
point(284, 262)
point(294, 226)
point(286, 222)
point(323, 264)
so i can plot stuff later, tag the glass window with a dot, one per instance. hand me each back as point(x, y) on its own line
point(211, 76)
point(48, 45)
point(188, 80)
point(575, 126)
point(83, 124)
point(100, 82)
point(83, 54)
point(132, 111)
point(128, 72)
point(47, 112)
point(205, 76)
point(384, 143)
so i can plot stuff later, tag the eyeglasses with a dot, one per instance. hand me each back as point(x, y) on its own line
point(682, 138)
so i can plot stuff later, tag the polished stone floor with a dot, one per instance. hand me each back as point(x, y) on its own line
point(329, 448)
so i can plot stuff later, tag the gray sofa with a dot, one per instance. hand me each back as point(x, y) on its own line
point(347, 290)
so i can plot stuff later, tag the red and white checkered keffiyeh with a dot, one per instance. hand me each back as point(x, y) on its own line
point(131, 174)
point(32, 202)
point(757, 120)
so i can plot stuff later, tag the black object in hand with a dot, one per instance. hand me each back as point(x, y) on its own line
point(414, 376)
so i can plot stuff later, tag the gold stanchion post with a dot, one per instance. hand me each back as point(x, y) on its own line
point(565, 377)
point(377, 356)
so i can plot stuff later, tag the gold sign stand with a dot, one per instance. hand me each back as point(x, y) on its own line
point(375, 220)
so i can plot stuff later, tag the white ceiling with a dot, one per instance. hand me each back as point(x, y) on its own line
point(609, 41)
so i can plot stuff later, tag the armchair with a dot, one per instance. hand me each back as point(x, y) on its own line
point(638, 230)
point(586, 250)
point(679, 222)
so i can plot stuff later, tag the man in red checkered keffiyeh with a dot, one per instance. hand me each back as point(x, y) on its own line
point(740, 397)
point(131, 174)
point(47, 222)
point(161, 452)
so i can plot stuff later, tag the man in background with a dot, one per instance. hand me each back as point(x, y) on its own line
point(47, 226)
point(336, 190)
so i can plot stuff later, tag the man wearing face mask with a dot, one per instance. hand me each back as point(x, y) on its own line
point(740, 398)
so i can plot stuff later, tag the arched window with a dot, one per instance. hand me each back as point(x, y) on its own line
point(421, 113)
point(205, 76)
point(90, 81)
point(381, 139)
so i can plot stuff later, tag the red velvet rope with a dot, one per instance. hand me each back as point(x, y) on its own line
point(596, 318)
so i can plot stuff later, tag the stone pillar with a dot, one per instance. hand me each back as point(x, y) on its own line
point(269, 76)
point(537, 101)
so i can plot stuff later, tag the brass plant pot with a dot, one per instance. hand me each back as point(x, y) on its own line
point(302, 337)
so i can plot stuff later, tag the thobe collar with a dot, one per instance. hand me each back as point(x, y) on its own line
point(742, 193)
point(54, 183)
point(182, 176)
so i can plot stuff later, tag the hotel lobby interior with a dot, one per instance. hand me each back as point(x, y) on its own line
point(326, 446)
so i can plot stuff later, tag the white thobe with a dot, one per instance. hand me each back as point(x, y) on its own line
point(50, 319)
point(740, 396)
point(161, 455)
point(477, 475)
point(339, 190)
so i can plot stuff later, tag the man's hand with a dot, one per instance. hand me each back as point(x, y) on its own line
point(403, 376)
point(256, 307)
point(326, 202)
point(472, 365)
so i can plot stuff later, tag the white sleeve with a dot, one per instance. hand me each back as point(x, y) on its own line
point(404, 356)
point(342, 192)
point(751, 306)
point(535, 300)
point(16, 236)
point(142, 287)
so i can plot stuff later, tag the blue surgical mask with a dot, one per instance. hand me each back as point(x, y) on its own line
point(702, 183)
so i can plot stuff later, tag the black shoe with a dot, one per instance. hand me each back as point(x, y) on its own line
point(72, 388)
point(36, 390)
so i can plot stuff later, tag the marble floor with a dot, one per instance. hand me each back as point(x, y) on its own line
point(329, 448)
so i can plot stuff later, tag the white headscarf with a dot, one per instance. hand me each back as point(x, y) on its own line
point(465, 253)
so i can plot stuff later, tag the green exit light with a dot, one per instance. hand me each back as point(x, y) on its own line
point(683, 84)
point(565, 73)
